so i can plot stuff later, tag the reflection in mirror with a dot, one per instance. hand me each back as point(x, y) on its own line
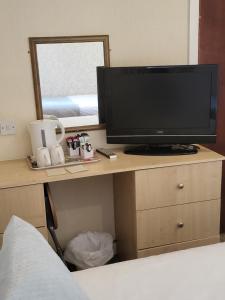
point(65, 81)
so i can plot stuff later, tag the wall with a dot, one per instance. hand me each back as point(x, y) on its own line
point(193, 31)
point(142, 32)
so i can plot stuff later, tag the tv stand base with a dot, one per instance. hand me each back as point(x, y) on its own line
point(162, 150)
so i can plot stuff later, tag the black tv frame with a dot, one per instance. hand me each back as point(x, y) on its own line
point(191, 138)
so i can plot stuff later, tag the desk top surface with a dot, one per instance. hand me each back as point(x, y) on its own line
point(17, 173)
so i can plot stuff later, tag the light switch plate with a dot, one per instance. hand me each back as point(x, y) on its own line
point(2, 128)
point(7, 127)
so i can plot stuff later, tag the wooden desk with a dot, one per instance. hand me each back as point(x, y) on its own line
point(146, 192)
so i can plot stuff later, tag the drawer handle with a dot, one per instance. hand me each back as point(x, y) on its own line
point(180, 186)
point(180, 225)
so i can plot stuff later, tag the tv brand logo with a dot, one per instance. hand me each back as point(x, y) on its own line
point(160, 131)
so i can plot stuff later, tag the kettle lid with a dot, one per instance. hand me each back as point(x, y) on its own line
point(44, 121)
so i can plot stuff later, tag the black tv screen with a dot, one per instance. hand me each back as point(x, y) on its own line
point(158, 105)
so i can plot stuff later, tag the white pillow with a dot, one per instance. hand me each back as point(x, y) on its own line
point(30, 269)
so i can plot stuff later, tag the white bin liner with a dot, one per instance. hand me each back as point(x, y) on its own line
point(89, 249)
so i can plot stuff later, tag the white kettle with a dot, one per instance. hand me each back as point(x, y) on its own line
point(43, 134)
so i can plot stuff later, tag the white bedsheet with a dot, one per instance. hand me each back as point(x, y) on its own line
point(193, 274)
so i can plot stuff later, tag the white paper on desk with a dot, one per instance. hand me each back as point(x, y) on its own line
point(75, 169)
point(55, 172)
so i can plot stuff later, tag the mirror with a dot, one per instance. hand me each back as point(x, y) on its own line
point(65, 80)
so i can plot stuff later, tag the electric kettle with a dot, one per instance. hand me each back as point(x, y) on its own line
point(43, 134)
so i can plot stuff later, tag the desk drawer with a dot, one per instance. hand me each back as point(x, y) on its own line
point(179, 223)
point(26, 202)
point(177, 185)
point(178, 246)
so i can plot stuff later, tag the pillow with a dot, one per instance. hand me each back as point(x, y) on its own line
point(30, 269)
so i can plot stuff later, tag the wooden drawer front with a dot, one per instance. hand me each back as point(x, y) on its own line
point(26, 202)
point(160, 226)
point(177, 185)
point(42, 230)
point(177, 246)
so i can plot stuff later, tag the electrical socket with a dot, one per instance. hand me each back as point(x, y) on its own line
point(7, 127)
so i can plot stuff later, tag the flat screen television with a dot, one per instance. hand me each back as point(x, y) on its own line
point(160, 105)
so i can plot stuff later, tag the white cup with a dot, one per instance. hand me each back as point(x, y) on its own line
point(57, 155)
point(43, 157)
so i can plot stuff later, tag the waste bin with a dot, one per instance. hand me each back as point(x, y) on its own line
point(89, 249)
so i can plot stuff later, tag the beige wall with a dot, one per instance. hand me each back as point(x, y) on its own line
point(142, 32)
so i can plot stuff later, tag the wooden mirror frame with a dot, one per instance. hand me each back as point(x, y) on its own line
point(33, 41)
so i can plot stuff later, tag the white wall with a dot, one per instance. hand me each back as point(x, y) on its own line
point(193, 31)
point(142, 32)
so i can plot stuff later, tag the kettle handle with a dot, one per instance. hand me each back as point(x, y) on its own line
point(61, 137)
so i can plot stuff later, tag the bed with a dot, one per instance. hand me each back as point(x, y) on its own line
point(70, 106)
point(193, 274)
point(30, 269)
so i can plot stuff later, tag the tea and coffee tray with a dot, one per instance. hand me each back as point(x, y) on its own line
point(69, 161)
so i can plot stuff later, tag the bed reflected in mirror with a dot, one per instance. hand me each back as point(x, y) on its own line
point(65, 81)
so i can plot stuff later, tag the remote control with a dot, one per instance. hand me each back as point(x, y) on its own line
point(107, 152)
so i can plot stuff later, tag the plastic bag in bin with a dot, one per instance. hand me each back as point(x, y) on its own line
point(89, 249)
